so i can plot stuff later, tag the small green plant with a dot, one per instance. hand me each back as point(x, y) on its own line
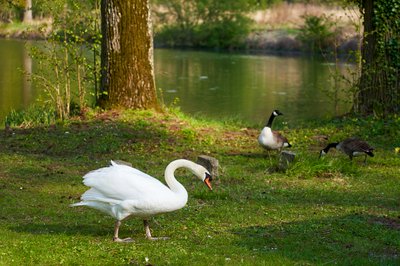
point(35, 115)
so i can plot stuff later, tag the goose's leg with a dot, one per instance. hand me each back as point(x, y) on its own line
point(148, 233)
point(116, 230)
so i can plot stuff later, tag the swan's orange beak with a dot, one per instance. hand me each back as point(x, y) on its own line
point(207, 181)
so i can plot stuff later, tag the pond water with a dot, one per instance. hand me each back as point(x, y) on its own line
point(216, 85)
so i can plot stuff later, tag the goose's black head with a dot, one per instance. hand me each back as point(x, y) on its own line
point(276, 112)
point(327, 148)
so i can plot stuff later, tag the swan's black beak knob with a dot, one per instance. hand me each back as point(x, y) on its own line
point(207, 181)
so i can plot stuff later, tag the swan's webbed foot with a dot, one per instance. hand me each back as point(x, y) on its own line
point(148, 233)
point(116, 238)
point(124, 240)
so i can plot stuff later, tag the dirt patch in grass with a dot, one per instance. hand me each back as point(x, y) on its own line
point(391, 223)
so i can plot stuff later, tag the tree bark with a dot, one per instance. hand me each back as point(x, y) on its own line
point(28, 11)
point(127, 55)
point(364, 101)
point(379, 85)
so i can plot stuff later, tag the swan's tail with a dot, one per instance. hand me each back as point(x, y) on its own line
point(77, 204)
point(101, 206)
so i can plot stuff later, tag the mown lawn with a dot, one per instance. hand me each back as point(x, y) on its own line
point(319, 211)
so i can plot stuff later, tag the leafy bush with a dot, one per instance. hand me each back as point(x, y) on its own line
point(205, 23)
point(316, 34)
point(227, 33)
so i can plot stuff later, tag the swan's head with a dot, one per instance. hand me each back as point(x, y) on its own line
point(207, 180)
point(203, 174)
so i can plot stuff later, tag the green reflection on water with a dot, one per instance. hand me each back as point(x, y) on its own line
point(218, 85)
point(245, 86)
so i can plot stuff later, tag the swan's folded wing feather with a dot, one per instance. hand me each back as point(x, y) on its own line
point(122, 182)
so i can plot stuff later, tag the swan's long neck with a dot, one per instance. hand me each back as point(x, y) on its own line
point(174, 185)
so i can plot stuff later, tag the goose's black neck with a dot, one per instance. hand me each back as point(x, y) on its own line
point(270, 120)
point(330, 145)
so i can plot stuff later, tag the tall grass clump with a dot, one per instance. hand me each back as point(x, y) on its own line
point(34, 115)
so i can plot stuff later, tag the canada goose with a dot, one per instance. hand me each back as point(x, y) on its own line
point(122, 191)
point(351, 147)
point(270, 139)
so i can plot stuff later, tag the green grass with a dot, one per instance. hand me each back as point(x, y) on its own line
point(328, 211)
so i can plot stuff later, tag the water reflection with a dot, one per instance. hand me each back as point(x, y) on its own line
point(245, 86)
point(214, 84)
point(11, 55)
point(27, 82)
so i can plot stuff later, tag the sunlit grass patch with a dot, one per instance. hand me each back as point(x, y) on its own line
point(319, 210)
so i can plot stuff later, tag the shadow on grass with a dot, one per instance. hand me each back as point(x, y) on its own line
point(354, 239)
point(89, 139)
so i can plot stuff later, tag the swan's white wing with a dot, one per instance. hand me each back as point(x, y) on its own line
point(121, 182)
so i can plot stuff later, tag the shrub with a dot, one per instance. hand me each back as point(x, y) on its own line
point(316, 34)
point(204, 23)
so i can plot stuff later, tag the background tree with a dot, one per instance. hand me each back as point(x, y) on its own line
point(28, 11)
point(379, 86)
point(127, 55)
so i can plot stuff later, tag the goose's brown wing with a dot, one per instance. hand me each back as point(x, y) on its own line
point(355, 144)
point(279, 138)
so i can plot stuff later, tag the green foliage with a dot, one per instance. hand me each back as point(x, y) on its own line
point(379, 86)
point(11, 10)
point(316, 34)
point(35, 115)
point(206, 23)
point(228, 32)
point(66, 69)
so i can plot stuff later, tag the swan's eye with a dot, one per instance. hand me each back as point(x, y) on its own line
point(209, 176)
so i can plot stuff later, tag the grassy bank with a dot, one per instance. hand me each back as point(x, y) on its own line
point(38, 29)
point(328, 211)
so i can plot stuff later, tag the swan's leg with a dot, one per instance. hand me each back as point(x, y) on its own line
point(148, 233)
point(116, 230)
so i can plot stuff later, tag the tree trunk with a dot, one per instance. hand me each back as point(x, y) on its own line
point(28, 11)
point(379, 84)
point(364, 101)
point(127, 55)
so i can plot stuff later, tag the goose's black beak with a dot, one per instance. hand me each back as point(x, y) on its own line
point(207, 181)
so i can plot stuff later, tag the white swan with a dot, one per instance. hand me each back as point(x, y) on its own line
point(122, 191)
